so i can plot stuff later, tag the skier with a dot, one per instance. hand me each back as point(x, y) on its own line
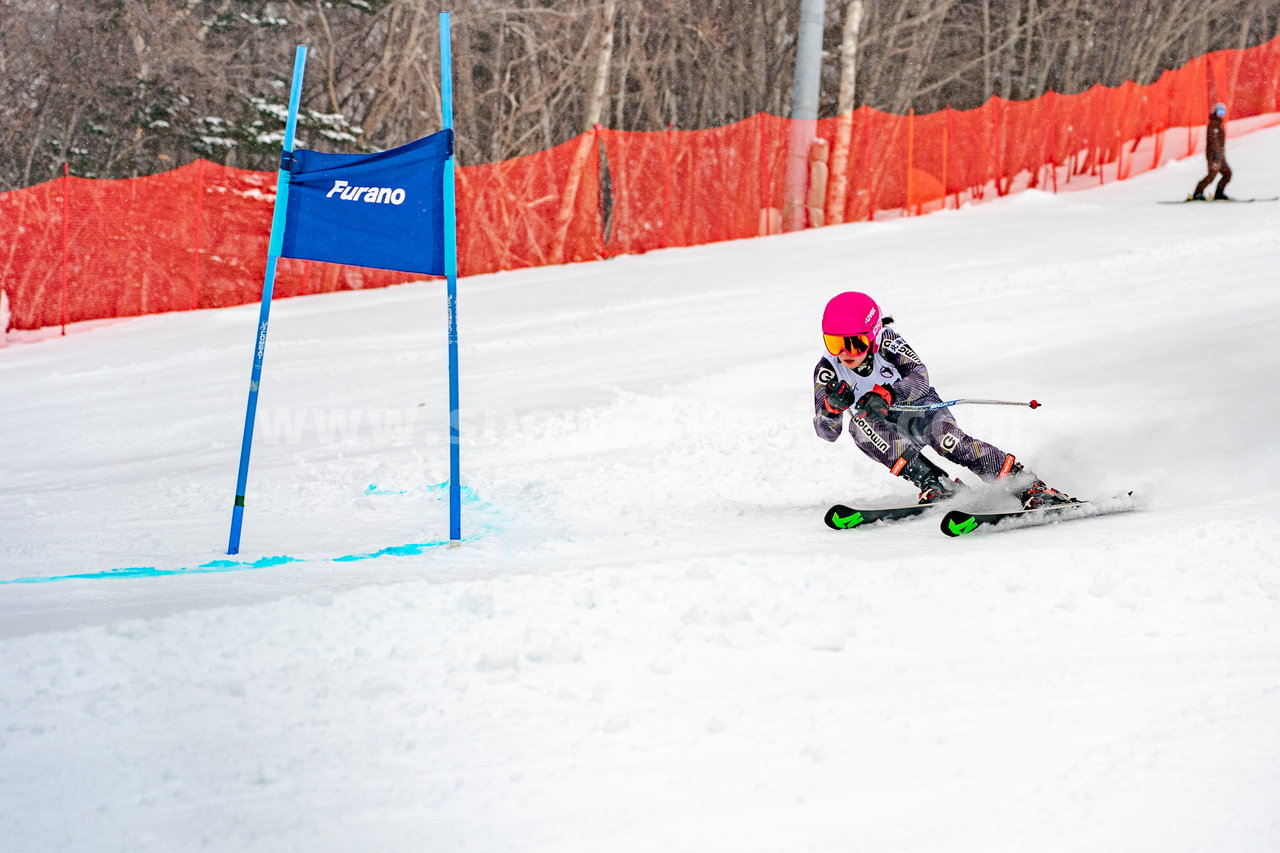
point(869, 368)
point(1215, 151)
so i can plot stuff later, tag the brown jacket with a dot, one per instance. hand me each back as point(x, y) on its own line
point(1215, 143)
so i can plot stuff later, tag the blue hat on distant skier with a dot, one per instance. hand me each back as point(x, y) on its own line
point(1220, 109)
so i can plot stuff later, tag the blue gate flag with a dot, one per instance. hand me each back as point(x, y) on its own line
point(383, 210)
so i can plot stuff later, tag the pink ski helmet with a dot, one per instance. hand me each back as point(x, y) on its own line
point(851, 321)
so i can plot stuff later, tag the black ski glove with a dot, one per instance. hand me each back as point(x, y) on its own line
point(875, 403)
point(839, 396)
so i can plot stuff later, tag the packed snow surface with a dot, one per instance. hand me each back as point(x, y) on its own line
point(649, 640)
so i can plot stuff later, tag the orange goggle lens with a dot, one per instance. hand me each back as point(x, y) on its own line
point(856, 344)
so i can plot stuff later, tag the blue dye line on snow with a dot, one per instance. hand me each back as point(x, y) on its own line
point(400, 550)
point(153, 572)
point(413, 549)
point(372, 489)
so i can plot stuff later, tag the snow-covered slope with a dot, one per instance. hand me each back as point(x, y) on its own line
point(650, 642)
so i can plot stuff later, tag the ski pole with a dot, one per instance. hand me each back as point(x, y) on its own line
point(931, 407)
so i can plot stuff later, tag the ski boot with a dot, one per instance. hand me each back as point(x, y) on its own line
point(1196, 197)
point(1221, 196)
point(932, 481)
point(1030, 489)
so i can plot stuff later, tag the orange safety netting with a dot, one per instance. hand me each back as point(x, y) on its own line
point(196, 237)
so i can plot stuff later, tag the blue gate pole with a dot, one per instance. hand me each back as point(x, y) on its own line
point(268, 285)
point(451, 276)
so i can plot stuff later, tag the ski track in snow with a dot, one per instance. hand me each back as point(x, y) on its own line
point(650, 641)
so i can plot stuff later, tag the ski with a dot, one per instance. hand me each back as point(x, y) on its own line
point(1236, 200)
point(841, 517)
point(960, 523)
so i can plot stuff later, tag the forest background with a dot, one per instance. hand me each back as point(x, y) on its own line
point(121, 88)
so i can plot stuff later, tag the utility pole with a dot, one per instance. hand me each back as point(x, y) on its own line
point(804, 112)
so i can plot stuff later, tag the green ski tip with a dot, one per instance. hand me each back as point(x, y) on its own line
point(844, 523)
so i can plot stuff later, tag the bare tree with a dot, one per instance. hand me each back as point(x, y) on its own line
point(844, 111)
point(594, 107)
point(128, 87)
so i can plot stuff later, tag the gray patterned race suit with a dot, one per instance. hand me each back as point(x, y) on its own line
point(903, 435)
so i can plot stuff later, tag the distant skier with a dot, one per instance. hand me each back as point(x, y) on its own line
point(1215, 151)
point(869, 368)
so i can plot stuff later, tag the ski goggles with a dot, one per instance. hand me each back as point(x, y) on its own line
point(855, 344)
